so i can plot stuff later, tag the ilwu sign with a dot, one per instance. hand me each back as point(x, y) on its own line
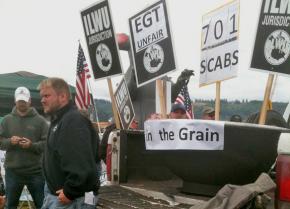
point(184, 135)
point(219, 47)
point(272, 44)
point(101, 41)
point(124, 104)
point(153, 53)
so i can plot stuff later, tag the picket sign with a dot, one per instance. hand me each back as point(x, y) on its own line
point(264, 108)
point(124, 105)
point(219, 47)
point(160, 87)
point(218, 101)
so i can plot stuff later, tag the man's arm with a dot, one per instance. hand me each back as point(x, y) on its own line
point(77, 157)
point(7, 142)
point(38, 146)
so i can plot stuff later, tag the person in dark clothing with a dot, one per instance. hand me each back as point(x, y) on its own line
point(22, 134)
point(70, 164)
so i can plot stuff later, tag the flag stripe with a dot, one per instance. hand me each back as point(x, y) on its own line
point(183, 98)
point(82, 98)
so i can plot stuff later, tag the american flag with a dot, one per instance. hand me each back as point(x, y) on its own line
point(183, 98)
point(82, 98)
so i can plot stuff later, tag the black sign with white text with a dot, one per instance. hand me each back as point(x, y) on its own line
point(272, 45)
point(124, 104)
point(101, 41)
point(151, 43)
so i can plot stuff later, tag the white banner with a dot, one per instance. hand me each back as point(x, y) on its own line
point(219, 50)
point(184, 134)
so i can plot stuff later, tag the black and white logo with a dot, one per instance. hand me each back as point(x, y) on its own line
point(104, 57)
point(153, 58)
point(127, 114)
point(277, 47)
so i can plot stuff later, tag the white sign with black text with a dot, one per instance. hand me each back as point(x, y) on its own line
point(219, 45)
point(184, 134)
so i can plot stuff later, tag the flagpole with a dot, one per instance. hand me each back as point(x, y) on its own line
point(92, 98)
point(95, 109)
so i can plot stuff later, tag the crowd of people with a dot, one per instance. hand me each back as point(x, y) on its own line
point(178, 111)
point(58, 160)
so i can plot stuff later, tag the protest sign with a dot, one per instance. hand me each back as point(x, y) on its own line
point(219, 47)
point(272, 45)
point(184, 134)
point(124, 104)
point(151, 42)
point(101, 40)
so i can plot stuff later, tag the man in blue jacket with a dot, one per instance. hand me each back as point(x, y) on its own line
point(70, 154)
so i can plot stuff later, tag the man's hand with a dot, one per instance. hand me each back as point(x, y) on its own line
point(62, 198)
point(15, 140)
point(24, 143)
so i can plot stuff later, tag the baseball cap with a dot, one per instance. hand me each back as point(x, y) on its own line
point(178, 106)
point(207, 110)
point(22, 93)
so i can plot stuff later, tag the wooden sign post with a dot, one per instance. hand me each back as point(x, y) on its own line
point(218, 100)
point(115, 112)
point(263, 112)
point(160, 86)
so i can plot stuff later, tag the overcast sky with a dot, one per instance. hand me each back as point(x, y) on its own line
point(41, 36)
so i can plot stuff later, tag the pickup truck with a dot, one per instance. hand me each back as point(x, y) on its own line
point(141, 178)
point(283, 167)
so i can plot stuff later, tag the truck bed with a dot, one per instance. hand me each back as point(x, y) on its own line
point(139, 194)
point(147, 194)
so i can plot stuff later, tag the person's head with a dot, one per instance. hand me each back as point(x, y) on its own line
point(236, 118)
point(208, 113)
point(22, 99)
point(178, 111)
point(54, 94)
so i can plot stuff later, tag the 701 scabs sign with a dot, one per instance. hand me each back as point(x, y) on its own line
point(219, 56)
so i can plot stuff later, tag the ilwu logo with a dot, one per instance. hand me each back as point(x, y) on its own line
point(104, 57)
point(153, 58)
point(127, 114)
point(277, 47)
